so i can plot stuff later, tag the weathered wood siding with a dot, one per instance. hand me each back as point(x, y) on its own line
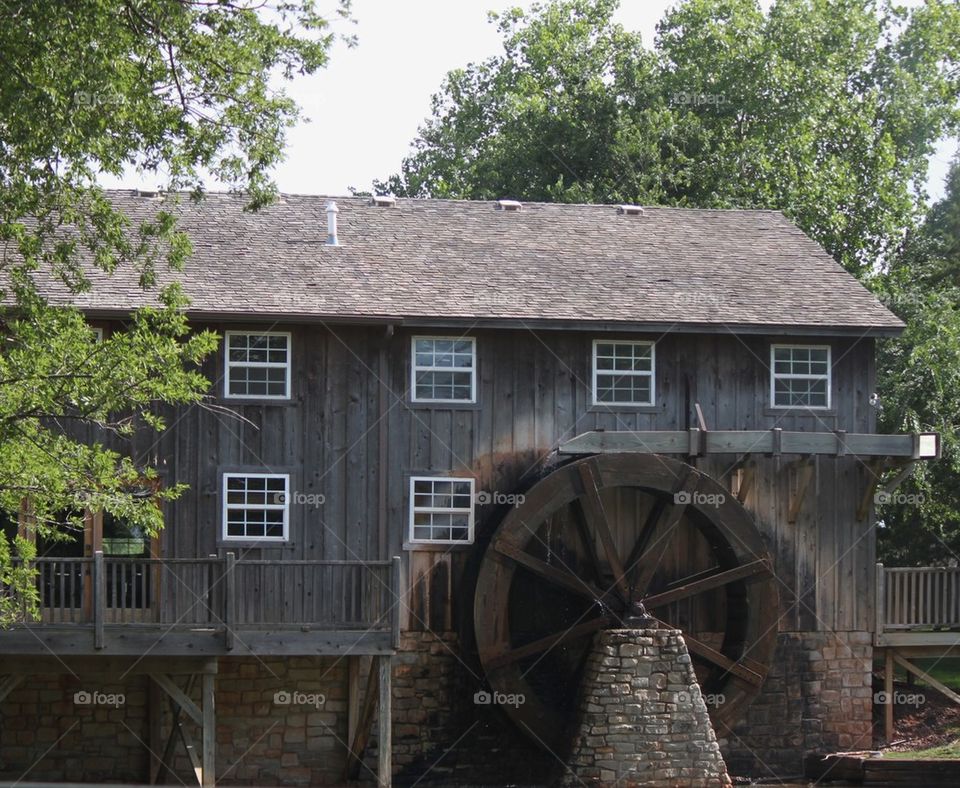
point(534, 392)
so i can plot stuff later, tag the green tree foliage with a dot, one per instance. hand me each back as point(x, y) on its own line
point(919, 375)
point(826, 109)
point(179, 89)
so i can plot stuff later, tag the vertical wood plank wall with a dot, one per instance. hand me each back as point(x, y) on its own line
point(534, 392)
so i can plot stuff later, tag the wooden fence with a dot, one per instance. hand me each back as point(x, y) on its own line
point(217, 593)
point(917, 598)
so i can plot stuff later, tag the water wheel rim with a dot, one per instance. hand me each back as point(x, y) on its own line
point(579, 483)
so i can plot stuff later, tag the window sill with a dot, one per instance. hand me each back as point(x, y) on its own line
point(442, 405)
point(255, 544)
point(428, 547)
point(625, 408)
point(242, 402)
point(830, 413)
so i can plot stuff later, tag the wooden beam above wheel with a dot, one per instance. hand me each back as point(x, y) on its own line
point(837, 444)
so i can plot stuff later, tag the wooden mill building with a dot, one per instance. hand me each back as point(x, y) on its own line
point(467, 436)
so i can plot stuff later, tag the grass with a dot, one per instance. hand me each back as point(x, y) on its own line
point(945, 670)
point(950, 750)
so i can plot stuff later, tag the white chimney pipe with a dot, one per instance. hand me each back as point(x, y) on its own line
point(332, 212)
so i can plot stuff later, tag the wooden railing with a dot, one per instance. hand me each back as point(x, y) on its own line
point(223, 594)
point(917, 598)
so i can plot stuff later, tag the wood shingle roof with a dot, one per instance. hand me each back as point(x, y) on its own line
point(442, 261)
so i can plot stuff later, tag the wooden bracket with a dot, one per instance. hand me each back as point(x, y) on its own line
point(905, 473)
point(805, 471)
point(875, 469)
point(748, 475)
point(937, 685)
point(204, 766)
point(9, 684)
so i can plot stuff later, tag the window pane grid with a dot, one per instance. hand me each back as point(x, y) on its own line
point(441, 510)
point(443, 369)
point(623, 373)
point(801, 376)
point(255, 506)
point(258, 365)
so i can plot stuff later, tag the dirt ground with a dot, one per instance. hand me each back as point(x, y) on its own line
point(933, 723)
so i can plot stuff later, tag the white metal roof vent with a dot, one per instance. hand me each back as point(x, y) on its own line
point(509, 205)
point(383, 200)
point(332, 212)
point(630, 210)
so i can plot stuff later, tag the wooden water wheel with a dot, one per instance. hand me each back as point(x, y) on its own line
point(591, 539)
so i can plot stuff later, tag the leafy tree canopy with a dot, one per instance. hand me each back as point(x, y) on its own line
point(826, 109)
point(919, 378)
point(181, 90)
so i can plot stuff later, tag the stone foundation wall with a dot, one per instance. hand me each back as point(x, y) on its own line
point(65, 728)
point(272, 727)
point(818, 697)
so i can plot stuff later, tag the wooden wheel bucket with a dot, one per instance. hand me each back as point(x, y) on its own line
point(594, 536)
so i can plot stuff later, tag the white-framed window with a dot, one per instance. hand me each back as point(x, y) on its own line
point(624, 372)
point(256, 506)
point(441, 510)
point(97, 333)
point(257, 365)
point(800, 376)
point(443, 369)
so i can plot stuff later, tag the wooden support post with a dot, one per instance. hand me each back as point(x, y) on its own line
point(353, 697)
point(364, 723)
point(155, 732)
point(229, 601)
point(880, 603)
point(209, 731)
point(99, 598)
point(385, 743)
point(396, 603)
point(176, 727)
point(888, 691)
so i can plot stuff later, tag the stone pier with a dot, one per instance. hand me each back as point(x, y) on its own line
point(642, 717)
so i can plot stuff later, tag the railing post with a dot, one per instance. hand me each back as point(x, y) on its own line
point(99, 598)
point(395, 590)
point(881, 602)
point(228, 600)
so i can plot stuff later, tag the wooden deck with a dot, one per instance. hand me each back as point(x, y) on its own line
point(209, 607)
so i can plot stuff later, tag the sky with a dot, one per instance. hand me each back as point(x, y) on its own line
point(364, 109)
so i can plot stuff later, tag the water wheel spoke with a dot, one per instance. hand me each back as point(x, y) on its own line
point(544, 644)
point(691, 586)
point(646, 534)
point(587, 541)
point(748, 670)
point(662, 533)
point(593, 512)
point(562, 577)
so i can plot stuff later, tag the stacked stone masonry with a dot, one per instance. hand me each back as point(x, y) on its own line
point(818, 697)
point(643, 719)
